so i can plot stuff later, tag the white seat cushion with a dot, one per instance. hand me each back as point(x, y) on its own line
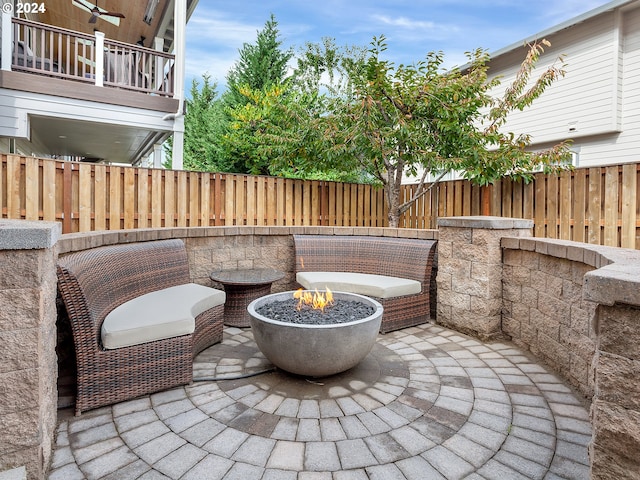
point(379, 286)
point(166, 313)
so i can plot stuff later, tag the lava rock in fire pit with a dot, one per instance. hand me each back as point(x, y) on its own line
point(342, 311)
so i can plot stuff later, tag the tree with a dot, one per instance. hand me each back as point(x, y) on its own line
point(255, 80)
point(205, 125)
point(261, 65)
point(395, 120)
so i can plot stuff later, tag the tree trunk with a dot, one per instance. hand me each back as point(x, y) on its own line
point(393, 203)
point(394, 219)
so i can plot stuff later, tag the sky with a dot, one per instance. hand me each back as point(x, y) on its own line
point(218, 29)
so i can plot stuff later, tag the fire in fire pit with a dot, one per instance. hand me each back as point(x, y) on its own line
point(316, 300)
point(316, 308)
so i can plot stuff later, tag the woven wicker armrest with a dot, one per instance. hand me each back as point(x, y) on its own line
point(407, 258)
point(92, 283)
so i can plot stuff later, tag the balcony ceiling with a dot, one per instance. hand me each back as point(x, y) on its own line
point(95, 142)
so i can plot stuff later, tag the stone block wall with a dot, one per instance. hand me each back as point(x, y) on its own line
point(615, 410)
point(28, 367)
point(577, 307)
point(543, 307)
point(469, 277)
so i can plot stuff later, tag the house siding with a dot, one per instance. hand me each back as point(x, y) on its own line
point(599, 95)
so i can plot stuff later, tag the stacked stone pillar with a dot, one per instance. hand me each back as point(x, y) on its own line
point(28, 366)
point(470, 272)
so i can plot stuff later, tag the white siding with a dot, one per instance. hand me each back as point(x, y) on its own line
point(584, 97)
point(600, 93)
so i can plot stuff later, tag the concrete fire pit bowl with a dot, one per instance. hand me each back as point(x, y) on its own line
point(315, 350)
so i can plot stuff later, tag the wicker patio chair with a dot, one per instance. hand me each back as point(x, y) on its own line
point(396, 257)
point(92, 283)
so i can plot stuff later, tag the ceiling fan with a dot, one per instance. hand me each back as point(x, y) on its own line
point(97, 12)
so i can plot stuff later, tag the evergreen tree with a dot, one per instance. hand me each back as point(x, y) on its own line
point(253, 83)
point(205, 124)
point(261, 65)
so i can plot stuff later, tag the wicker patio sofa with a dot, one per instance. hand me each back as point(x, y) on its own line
point(136, 319)
point(397, 272)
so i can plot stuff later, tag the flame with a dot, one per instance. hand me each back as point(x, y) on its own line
point(316, 300)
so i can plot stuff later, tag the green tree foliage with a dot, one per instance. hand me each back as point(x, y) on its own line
point(255, 82)
point(261, 65)
point(205, 126)
point(387, 121)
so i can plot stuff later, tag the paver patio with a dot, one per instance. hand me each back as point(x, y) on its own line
point(427, 403)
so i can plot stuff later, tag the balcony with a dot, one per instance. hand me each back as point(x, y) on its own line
point(80, 96)
point(55, 52)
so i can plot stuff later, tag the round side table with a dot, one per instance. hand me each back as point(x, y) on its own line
point(241, 288)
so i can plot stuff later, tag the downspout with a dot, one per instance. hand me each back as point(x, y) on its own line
point(179, 23)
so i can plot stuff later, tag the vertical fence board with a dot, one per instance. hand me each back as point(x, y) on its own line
point(240, 212)
point(114, 197)
point(182, 198)
point(217, 200)
point(85, 206)
point(595, 205)
point(143, 197)
point(251, 200)
point(316, 203)
point(13, 186)
point(579, 205)
point(205, 199)
point(506, 194)
point(552, 206)
point(49, 187)
point(303, 192)
point(129, 196)
point(340, 203)
point(229, 196)
point(281, 199)
point(100, 197)
point(629, 205)
point(32, 189)
point(289, 212)
point(611, 206)
point(194, 200)
point(261, 201)
point(169, 199)
point(157, 202)
point(528, 192)
point(467, 198)
point(271, 200)
point(333, 196)
point(496, 198)
point(540, 210)
point(565, 205)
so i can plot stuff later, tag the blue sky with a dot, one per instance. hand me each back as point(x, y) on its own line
point(218, 29)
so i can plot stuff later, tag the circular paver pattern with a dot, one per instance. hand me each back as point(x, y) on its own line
point(427, 402)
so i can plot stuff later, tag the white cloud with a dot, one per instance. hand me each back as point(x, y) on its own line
point(404, 22)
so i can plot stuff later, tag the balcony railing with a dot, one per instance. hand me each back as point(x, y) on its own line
point(56, 52)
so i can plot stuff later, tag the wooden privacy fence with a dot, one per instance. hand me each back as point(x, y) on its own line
point(593, 205)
